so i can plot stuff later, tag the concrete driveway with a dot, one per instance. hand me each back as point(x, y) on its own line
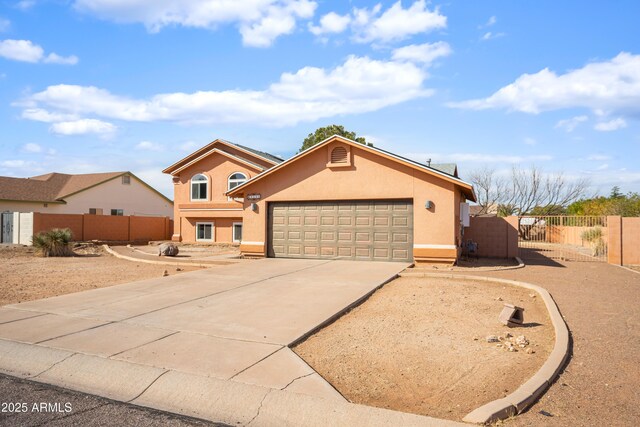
point(143, 342)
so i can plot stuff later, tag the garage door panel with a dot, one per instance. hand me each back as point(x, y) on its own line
point(372, 230)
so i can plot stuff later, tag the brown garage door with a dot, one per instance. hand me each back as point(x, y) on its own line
point(380, 230)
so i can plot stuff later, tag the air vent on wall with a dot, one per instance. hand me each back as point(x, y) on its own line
point(339, 155)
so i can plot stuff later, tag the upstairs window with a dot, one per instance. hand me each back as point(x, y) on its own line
point(117, 212)
point(199, 187)
point(236, 179)
point(126, 179)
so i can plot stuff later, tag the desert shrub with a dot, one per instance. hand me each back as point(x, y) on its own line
point(55, 242)
point(592, 234)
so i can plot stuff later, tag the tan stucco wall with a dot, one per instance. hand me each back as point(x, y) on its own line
point(217, 209)
point(370, 176)
point(134, 198)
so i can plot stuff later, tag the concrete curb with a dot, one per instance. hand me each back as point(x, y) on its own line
point(208, 398)
point(516, 402)
point(408, 273)
point(167, 263)
point(627, 268)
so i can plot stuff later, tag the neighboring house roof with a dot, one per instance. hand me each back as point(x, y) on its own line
point(219, 144)
point(448, 168)
point(55, 187)
point(262, 154)
point(467, 187)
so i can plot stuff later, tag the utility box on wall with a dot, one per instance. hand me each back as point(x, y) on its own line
point(464, 214)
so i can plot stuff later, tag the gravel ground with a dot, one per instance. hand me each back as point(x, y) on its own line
point(84, 410)
point(601, 384)
point(419, 345)
point(25, 276)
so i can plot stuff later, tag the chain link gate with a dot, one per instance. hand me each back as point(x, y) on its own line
point(566, 238)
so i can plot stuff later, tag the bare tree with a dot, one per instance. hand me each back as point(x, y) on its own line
point(489, 189)
point(526, 190)
point(531, 189)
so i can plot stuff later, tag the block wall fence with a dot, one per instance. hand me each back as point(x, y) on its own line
point(623, 240)
point(496, 237)
point(106, 227)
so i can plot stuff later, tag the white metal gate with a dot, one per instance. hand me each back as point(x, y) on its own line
point(568, 238)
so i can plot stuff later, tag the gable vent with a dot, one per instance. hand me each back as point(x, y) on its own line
point(339, 155)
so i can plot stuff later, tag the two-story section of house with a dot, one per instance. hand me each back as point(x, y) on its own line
point(202, 211)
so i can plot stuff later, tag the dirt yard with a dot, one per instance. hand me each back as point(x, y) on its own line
point(25, 276)
point(601, 384)
point(420, 345)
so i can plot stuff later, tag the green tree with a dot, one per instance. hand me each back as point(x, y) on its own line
point(325, 132)
point(616, 204)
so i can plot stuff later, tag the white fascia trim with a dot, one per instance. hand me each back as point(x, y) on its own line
point(232, 145)
point(429, 246)
point(252, 243)
point(224, 153)
point(210, 209)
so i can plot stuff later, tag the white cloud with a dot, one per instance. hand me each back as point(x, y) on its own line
point(358, 85)
point(490, 22)
point(331, 23)
point(610, 86)
point(5, 24)
point(27, 51)
point(530, 141)
point(260, 21)
point(25, 4)
point(82, 126)
point(21, 50)
point(54, 58)
point(32, 148)
point(424, 53)
point(490, 35)
point(149, 146)
point(16, 164)
point(40, 115)
point(569, 125)
point(602, 167)
point(479, 157)
point(396, 23)
point(611, 125)
point(155, 178)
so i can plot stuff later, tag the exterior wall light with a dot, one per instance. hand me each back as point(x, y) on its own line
point(254, 207)
point(428, 204)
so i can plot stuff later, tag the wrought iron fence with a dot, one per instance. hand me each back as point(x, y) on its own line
point(568, 238)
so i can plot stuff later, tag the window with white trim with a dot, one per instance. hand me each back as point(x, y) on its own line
point(199, 187)
point(236, 179)
point(237, 232)
point(204, 231)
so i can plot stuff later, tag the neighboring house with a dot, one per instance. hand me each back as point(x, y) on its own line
point(336, 200)
point(111, 193)
point(477, 210)
point(202, 210)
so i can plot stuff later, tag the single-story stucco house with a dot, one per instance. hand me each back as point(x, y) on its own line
point(109, 193)
point(337, 199)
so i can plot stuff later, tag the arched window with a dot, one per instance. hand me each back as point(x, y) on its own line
point(339, 155)
point(236, 179)
point(199, 187)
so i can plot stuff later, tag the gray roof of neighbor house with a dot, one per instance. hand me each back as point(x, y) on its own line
point(259, 153)
point(54, 187)
point(448, 168)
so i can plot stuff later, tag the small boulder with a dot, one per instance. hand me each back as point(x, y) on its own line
point(168, 249)
point(492, 338)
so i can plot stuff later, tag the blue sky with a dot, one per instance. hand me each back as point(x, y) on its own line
point(104, 85)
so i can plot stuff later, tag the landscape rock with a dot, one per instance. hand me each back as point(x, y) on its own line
point(168, 249)
point(492, 338)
